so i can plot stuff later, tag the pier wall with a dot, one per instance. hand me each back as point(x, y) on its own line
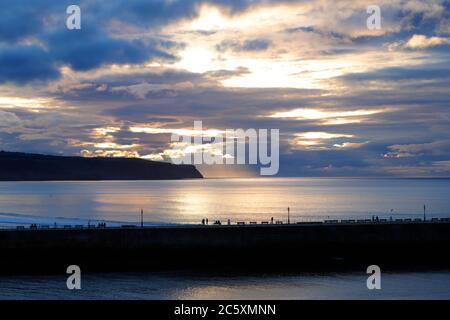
point(299, 244)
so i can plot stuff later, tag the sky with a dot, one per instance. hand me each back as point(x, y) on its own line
point(348, 100)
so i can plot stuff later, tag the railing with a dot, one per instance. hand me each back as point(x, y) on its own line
point(238, 223)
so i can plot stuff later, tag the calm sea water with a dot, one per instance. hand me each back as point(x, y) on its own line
point(156, 286)
point(189, 201)
point(238, 199)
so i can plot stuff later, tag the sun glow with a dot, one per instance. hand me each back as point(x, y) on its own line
point(322, 135)
point(17, 102)
point(210, 18)
point(197, 60)
point(313, 114)
point(113, 145)
point(317, 140)
point(293, 59)
point(180, 132)
point(327, 117)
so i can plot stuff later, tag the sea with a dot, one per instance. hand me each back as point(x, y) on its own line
point(252, 199)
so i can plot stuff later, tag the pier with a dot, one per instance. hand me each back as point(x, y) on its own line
point(328, 243)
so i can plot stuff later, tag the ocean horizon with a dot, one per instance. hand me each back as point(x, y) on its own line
point(237, 199)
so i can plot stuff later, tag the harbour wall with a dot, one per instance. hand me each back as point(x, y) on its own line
point(249, 246)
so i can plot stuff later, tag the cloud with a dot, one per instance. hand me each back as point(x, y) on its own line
point(109, 153)
point(322, 135)
point(441, 147)
point(318, 31)
point(90, 48)
point(138, 90)
point(418, 41)
point(434, 169)
point(24, 63)
point(433, 71)
point(36, 43)
point(9, 119)
point(315, 114)
point(247, 45)
point(180, 131)
point(319, 141)
point(353, 101)
point(141, 90)
point(350, 145)
point(24, 18)
point(325, 116)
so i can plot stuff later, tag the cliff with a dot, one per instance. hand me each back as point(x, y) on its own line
point(34, 167)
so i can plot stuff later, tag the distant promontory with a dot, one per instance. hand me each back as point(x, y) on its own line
point(15, 166)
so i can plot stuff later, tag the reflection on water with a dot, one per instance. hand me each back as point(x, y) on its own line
point(239, 199)
point(189, 201)
point(431, 285)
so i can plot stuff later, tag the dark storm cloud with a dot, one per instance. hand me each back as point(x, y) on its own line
point(214, 103)
point(90, 47)
point(82, 50)
point(86, 49)
point(22, 64)
point(165, 77)
point(160, 12)
point(25, 18)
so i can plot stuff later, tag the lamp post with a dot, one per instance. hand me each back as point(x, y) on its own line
point(142, 218)
point(289, 220)
point(424, 213)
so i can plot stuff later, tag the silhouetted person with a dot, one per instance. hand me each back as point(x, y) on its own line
point(271, 220)
point(206, 220)
point(203, 221)
point(229, 221)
